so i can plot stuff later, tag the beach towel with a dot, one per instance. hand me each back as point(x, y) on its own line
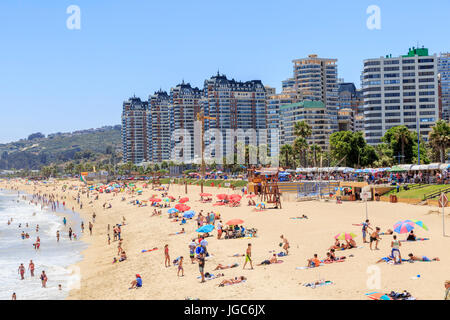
point(303, 268)
point(149, 250)
point(417, 239)
point(314, 285)
point(298, 218)
point(341, 249)
point(378, 296)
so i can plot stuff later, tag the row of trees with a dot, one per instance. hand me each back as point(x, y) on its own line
point(346, 148)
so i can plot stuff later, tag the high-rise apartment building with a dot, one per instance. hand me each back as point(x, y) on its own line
point(312, 112)
point(134, 130)
point(316, 79)
point(350, 107)
point(444, 82)
point(234, 105)
point(160, 127)
point(186, 103)
point(400, 91)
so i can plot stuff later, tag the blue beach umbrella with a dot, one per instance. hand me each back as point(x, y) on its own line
point(199, 250)
point(205, 228)
point(189, 214)
point(172, 210)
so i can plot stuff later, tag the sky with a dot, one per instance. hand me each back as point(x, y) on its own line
point(56, 79)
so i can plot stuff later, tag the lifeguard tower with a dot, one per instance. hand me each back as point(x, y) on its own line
point(264, 183)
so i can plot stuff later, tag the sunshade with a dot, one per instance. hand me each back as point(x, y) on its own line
point(404, 226)
point(234, 222)
point(345, 236)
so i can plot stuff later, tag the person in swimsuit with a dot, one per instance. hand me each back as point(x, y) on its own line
point(201, 265)
point(31, 268)
point(269, 261)
point(221, 266)
point(248, 256)
point(166, 256)
point(375, 237)
point(44, 279)
point(286, 244)
point(232, 281)
point(180, 267)
point(423, 258)
point(21, 271)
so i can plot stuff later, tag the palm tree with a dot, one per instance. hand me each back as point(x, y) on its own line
point(439, 138)
point(301, 147)
point(302, 129)
point(316, 151)
point(286, 150)
point(402, 134)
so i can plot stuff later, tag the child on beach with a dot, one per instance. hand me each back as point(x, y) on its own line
point(136, 283)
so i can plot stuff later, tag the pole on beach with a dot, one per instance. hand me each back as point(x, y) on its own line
point(443, 200)
point(367, 213)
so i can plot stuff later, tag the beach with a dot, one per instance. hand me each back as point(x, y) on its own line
point(101, 279)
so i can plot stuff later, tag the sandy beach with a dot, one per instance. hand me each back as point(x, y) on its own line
point(101, 279)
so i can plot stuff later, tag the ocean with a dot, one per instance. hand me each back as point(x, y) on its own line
point(56, 259)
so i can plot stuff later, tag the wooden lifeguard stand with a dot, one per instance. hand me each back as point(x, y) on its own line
point(264, 183)
point(156, 182)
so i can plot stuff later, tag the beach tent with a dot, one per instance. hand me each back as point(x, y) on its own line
point(397, 169)
point(417, 167)
point(444, 166)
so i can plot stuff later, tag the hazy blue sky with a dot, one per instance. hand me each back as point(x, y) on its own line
point(55, 79)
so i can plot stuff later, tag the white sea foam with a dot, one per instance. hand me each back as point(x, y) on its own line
point(52, 257)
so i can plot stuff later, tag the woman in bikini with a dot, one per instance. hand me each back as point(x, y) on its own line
point(232, 281)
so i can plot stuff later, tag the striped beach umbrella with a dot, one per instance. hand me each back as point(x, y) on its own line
point(345, 236)
point(404, 226)
point(420, 224)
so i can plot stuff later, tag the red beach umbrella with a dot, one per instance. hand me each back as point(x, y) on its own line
point(234, 222)
point(222, 196)
point(205, 194)
point(182, 207)
point(183, 200)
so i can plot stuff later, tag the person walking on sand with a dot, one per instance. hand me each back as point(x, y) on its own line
point(90, 228)
point(70, 233)
point(65, 221)
point(248, 256)
point(21, 271)
point(93, 217)
point(365, 227)
point(82, 227)
point(57, 235)
point(166, 256)
point(180, 267)
point(31, 268)
point(286, 244)
point(192, 247)
point(201, 266)
point(375, 237)
point(14, 297)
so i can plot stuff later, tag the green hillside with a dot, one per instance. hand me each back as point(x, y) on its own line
point(37, 150)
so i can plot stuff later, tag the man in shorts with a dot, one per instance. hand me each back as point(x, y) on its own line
point(375, 237)
point(248, 256)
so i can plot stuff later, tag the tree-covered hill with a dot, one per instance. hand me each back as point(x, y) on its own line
point(38, 150)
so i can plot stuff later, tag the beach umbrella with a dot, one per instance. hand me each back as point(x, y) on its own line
point(166, 199)
point(404, 226)
point(182, 207)
point(420, 224)
point(189, 214)
point(204, 194)
point(154, 200)
point(251, 195)
point(183, 200)
point(222, 196)
point(234, 222)
point(172, 210)
point(260, 205)
point(171, 197)
point(235, 197)
point(205, 228)
point(345, 236)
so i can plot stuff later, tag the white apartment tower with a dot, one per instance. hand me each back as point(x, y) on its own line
point(400, 91)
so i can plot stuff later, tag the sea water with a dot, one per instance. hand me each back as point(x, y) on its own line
point(55, 258)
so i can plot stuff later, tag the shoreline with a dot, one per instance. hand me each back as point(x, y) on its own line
point(100, 279)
